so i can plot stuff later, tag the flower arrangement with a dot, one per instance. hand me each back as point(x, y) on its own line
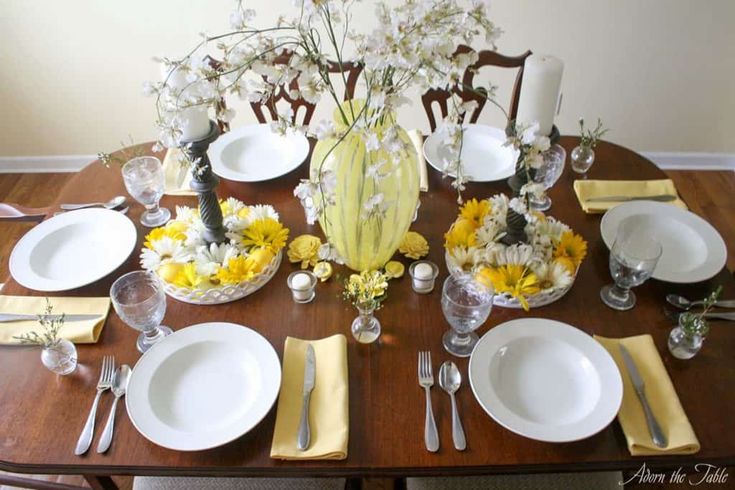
point(531, 148)
point(366, 290)
point(589, 137)
point(546, 262)
point(180, 256)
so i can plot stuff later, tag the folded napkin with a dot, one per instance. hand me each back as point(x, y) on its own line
point(177, 176)
point(84, 332)
point(586, 189)
point(329, 407)
point(661, 396)
point(418, 142)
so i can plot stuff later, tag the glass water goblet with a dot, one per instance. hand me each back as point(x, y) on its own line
point(145, 179)
point(633, 258)
point(140, 301)
point(548, 174)
point(466, 304)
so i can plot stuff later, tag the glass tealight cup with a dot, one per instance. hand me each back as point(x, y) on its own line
point(302, 285)
point(423, 275)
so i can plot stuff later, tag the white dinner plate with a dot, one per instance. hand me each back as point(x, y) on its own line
point(254, 153)
point(692, 250)
point(545, 380)
point(203, 386)
point(72, 249)
point(484, 158)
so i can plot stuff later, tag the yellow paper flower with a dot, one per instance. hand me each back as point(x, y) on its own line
point(259, 259)
point(461, 234)
point(187, 277)
point(174, 229)
point(475, 210)
point(266, 233)
point(570, 251)
point(238, 269)
point(516, 280)
point(304, 249)
point(413, 245)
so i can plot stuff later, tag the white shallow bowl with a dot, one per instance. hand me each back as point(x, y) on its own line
point(545, 380)
point(203, 386)
point(693, 250)
point(484, 158)
point(72, 250)
point(254, 153)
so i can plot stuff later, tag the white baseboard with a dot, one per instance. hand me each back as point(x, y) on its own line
point(664, 160)
point(45, 164)
point(691, 160)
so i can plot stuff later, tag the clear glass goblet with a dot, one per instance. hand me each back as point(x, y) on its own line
point(145, 179)
point(548, 174)
point(466, 304)
point(140, 301)
point(633, 258)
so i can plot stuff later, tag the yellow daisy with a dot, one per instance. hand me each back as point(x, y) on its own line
point(187, 277)
point(174, 229)
point(414, 245)
point(461, 234)
point(475, 210)
point(238, 269)
point(516, 280)
point(266, 233)
point(571, 250)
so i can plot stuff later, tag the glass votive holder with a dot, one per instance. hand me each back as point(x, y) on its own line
point(302, 285)
point(423, 275)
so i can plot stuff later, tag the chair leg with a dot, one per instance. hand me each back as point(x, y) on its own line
point(98, 482)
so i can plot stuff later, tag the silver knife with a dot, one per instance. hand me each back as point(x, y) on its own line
point(12, 317)
point(657, 435)
point(304, 436)
point(659, 198)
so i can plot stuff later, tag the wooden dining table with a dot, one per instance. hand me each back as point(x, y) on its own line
point(41, 414)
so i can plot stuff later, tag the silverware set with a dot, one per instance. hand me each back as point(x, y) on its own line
point(450, 380)
point(112, 379)
point(684, 304)
point(117, 203)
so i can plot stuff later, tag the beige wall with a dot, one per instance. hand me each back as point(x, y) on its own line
point(659, 72)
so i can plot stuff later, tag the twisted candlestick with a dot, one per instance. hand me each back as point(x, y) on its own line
point(516, 228)
point(204, 182)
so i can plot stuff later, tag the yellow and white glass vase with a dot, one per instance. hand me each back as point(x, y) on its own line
point(364, 186)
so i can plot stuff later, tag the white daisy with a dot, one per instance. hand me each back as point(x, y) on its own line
point(186, 214)
point(232, 206)
point(162, 252)
point(260, 211)
point(465, 258)
point(209, 258)
point(553, 275)
point(195, 235)
point(519, 253)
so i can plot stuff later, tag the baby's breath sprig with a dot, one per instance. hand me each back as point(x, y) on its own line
point(590, 137)
point(710, 301)
point(51, 327)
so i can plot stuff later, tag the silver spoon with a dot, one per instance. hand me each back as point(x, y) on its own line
point(119, 387)
point(685, 304)
point(450, 379)
point(113, 203)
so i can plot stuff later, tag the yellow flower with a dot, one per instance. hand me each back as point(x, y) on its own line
point(238, 269)
point(413, 245)
point(367, 289)
point(169, 271)
point(174, 229)
point(323, 270)
point(394, 269)
point(187, 277)
point(461, 234)
point(266, 233)
point(475, 210)
point(243, 213)
point(259, 259)
point(516, 280)
point(570, 251)
point(304, 249)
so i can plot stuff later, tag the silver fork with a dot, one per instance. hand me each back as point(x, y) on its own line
point(107, 374)
point(426, 381)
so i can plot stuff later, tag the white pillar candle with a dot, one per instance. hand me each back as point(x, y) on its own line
point(540, 91)
point(194, 120)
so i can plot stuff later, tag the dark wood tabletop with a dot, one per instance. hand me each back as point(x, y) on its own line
point(41, 414)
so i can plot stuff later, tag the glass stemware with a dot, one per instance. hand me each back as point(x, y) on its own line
point(633, 258)
point(466, 305)
point(145, 179)
point(548, 174)
point(140, 301)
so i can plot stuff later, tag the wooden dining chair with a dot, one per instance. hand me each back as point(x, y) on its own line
point(486, 58)
point(352, 70)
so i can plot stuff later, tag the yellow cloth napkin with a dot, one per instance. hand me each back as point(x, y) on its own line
point(84, 332)
point(661, 396)
point(418, 142)
point(177, 176)
point(329, 406)
point(586, 189)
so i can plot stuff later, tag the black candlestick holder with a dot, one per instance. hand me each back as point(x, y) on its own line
point(204, 182)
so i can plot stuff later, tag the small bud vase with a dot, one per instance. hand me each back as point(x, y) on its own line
point(366, 328)
point(582, 159)
point(687, 338)
point(59, 357)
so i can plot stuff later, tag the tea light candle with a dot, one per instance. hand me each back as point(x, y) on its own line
point(423, 273)
point(302, 286)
